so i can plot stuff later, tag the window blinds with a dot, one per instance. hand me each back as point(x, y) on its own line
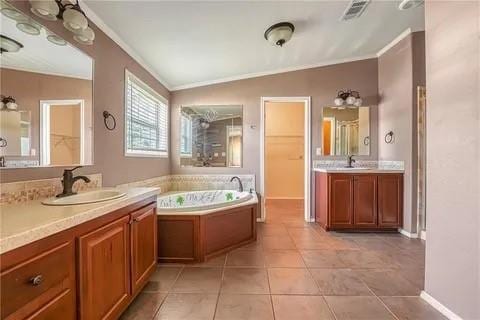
point(146, 120)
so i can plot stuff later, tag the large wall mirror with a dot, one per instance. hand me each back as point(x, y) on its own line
point(211, 136)
point(346, 131)
point(47, 92)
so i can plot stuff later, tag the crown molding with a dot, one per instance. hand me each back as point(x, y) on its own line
point(56, 74)
point(92, 16)
point(272, 72)
point(392, 43)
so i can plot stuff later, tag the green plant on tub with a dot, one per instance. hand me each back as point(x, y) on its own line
point(229, 196)
point(180, 200)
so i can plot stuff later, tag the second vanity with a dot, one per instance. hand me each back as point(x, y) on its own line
point(77, 262)
point(359, 198)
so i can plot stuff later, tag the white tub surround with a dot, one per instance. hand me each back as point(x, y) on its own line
point(24, 223)
point(203, 202)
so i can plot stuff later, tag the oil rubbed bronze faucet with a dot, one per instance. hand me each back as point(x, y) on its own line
point(240, 185)
point(350, 160)
point(68, 181)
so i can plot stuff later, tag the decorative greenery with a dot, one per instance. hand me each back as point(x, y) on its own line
point(180, 200)
point(229, 196)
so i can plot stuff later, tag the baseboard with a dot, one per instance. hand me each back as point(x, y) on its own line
point(260, 220)
point(440, 307)
point(408, 234)
point(423, 235)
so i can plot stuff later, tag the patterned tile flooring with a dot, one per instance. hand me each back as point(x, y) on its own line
point(295, 270)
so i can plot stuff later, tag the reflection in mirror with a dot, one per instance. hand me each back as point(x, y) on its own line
point(346, 131)
point(211, 136)
point(50, 83)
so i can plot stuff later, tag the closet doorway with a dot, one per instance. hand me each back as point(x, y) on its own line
point(285, 158)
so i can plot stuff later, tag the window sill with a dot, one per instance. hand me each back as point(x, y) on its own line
point(146, 155)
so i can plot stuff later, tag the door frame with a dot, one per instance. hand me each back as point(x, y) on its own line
point(307, 153)
point(45, 128)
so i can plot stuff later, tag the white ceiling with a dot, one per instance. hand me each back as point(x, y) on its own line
point(193, 43)
point(41, 56)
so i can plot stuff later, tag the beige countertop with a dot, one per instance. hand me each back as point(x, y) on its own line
point(21, 224)
point(357, 170)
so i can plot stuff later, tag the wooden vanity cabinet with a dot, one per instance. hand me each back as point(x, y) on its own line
point(359, 201)
point(91, 271)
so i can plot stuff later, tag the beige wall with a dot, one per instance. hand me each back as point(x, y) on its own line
point(284, 141)
point(397, 113)
point(320, 83)
point(65, 134)
point(108, 94)
point(453, 155)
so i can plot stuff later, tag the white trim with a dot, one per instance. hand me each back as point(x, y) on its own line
point(56, 74)
point(439, 306)
point(307, 152)
point(408, 234)
point(92, 16)
point(271, 72)
point(423, 235)
point(155, 95)
point(45, 128)
point(392, 43)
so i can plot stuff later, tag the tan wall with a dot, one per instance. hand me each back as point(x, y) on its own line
point(284, 151)
point(65, 134)
point(320, 83)
point(108, 94)
point(397, 113)
point(453, 155)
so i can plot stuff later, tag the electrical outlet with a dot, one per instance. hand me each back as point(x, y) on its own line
point(318, 151)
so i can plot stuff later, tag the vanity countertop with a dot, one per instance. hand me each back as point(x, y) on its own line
point(357, 170)
point(21, 224)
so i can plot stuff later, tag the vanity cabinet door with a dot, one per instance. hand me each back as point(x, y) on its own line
point(390, 200)
point(144, 245)
point(104, 270)
point(365, 201)
point(341, 201)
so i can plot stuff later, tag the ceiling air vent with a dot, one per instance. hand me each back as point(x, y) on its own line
point(354, 9)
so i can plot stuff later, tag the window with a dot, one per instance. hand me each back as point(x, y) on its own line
point(185, 136)
point(146, 120)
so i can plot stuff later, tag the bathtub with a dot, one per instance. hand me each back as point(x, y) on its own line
point(195, 226)
point(200, 200)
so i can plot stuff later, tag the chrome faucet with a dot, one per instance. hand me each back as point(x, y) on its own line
point(68, 181)
point(240, 185)
point(350, 160)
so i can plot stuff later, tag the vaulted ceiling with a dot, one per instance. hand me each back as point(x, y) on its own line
point(193, 43)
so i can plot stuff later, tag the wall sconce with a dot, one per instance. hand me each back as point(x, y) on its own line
point(8, 103)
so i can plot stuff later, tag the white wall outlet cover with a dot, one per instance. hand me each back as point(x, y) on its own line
point(215, 154)
point(33, 152)
point(223, 154)
point(318, 151)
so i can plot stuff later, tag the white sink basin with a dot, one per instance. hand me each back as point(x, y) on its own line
point(85, 197)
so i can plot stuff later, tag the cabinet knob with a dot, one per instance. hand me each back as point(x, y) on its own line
point(37, 280)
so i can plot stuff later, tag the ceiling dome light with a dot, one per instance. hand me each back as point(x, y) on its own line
point(279, 33)
point(45, 9)
point(9, 45)
point(53, 38)
point(85, 36)
point(408, 4)
point(29, 27)
point(74, 20)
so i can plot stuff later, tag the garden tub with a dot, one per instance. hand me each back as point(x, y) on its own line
point(197, 225)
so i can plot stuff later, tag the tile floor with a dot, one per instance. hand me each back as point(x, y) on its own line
point(295, 270)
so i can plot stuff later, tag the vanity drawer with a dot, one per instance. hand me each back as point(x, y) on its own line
point(44, 283)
